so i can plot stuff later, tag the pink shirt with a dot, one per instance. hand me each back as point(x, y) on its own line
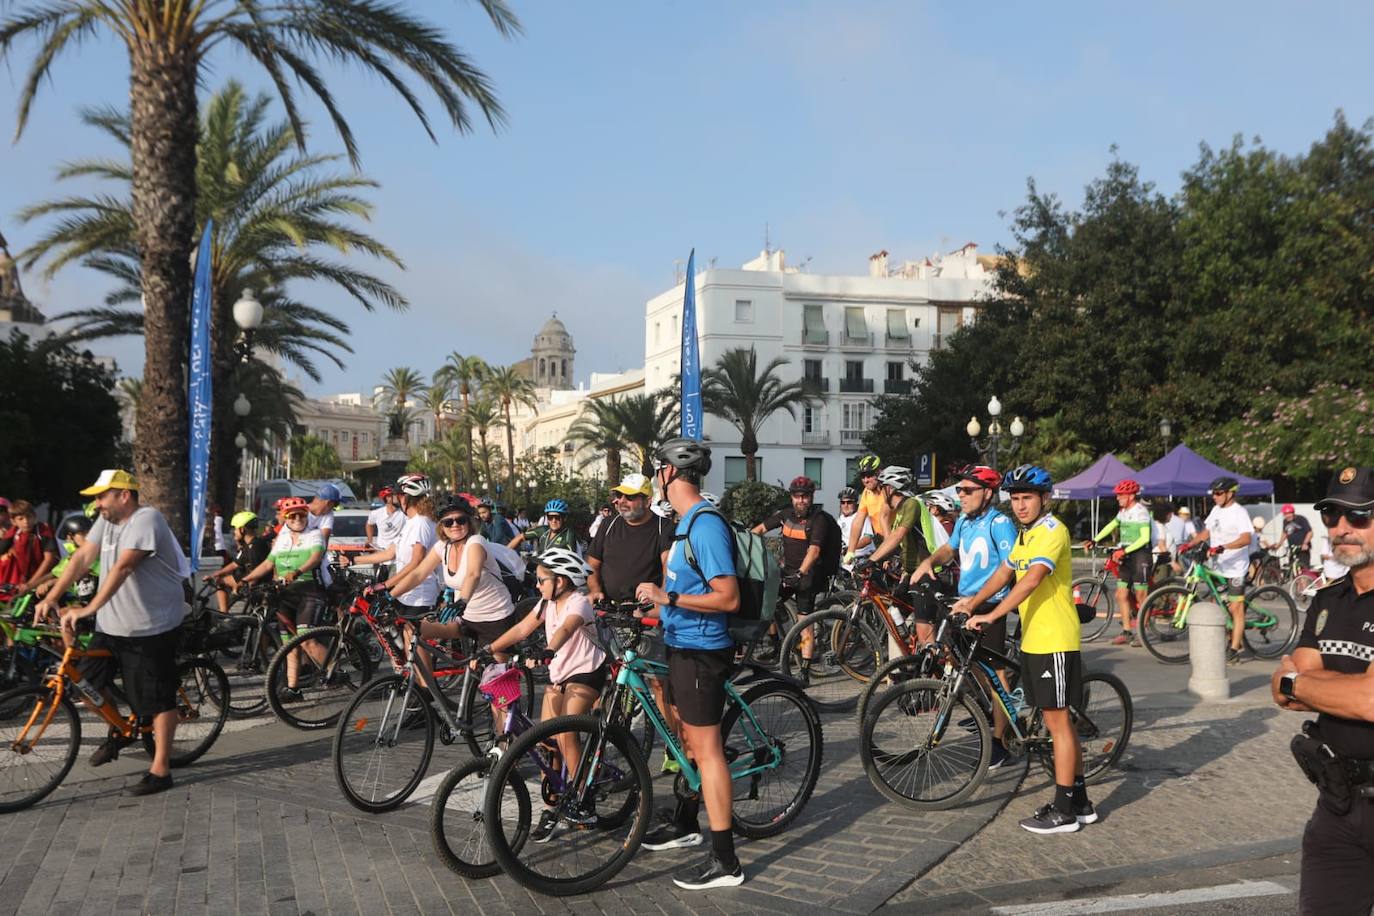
point(579, 655)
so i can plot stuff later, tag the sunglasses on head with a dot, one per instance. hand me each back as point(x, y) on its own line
point(455, 521)
point(1358, 518)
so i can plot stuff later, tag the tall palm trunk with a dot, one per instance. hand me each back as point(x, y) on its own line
point(749, 445)
point(510, 445)
point(466, 391)
point(486, 458)
point(162, 106)
point(612, 467)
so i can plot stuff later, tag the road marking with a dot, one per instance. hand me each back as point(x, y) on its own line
point(1149, 901)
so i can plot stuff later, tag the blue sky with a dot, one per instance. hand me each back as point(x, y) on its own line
point(641, 129)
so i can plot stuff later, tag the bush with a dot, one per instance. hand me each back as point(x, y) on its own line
point(751, 501)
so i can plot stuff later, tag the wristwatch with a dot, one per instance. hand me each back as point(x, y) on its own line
point(672, 599)
point(1286, 683)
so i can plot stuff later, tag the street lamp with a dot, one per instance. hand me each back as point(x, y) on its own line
point(242, 406)
point(248, 316)
point(240, 441)
point(988, 446)
point(1166, 432)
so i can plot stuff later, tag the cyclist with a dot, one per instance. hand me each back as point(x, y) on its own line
point(1227, 534)
point(701, 592)
point(555, 532)
point(327, 499)
point(250, 549)
point(384, 523)
point(31, 550)
point(1051, 665)
point(73, 533)
point(848, 520)
point(494, 526)
point(873, 507)
point(1178, 531)
point(912, 533)
point(577, 665)
point(414, 543)
point(983, 539)
point(944, 509)
point(1297, 534)
point(1133, 554)
point(804, 530)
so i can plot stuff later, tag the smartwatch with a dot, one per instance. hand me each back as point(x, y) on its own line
point(1286, 684)
point(672, 599)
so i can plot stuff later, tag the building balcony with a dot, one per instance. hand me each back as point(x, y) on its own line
point(815, 338)
point(862, 342)
point(817, 384)
point(897, 343)
point(852, 436)
point(856, 386)
point(820, 437)
point(897, 386)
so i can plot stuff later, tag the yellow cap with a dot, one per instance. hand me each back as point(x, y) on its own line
point(111, 479)
point(634, 485)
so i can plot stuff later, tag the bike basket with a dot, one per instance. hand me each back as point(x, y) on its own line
point(503, 689)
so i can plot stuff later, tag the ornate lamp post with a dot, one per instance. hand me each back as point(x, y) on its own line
point(248, 316)
point(1166, 432)
point(989, 446)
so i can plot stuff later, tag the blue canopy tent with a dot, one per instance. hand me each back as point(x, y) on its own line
point(1094, 482)
point(1183, 472)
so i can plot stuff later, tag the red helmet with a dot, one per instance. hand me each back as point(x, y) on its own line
point(1287, 508)
point(802, 484)
point(1126, 487)
point(384, 492)
point(288, 504)
point(984, 475)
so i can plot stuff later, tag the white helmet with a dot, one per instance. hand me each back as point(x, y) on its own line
point(899, 478)
point(564, 562)
point(940, 500)
point(413, 484)
point(711, 498)
point(662, 508)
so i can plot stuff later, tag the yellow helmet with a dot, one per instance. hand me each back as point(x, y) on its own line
point(243, 518)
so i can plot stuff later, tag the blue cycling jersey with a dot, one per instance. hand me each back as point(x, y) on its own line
point(984, 544)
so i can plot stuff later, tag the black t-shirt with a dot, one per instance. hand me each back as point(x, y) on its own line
point(1297, 530)
point(250, 556)
point(1340, 625)
point(630, 554)
point(798, 535)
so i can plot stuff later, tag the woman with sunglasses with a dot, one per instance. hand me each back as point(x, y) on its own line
point(412, 547)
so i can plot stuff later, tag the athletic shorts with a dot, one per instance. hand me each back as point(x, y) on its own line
point(1135, 570)
point(696, 683)
point(1053, 680)
point(302, 603)
point(994, 634)
point(487, 632)
point(147, 666)
point(593, 679)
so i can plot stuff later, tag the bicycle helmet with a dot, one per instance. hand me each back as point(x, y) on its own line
point(1028, 477)
point(485, 503)
point(711, 498)
point(847, 494)
point(869, 464)
point(414, 485)
point(1288, 509)
point(289, 504)
point(1224, 484)
point(455, 505)
point(1258, 521)
point(86, 587)
point(555, 507)
point(242, 519)
point(684, 454)
point(662, 508)
point(329, 492)
point(982, 475)
point(899, 478)
point(1126, 487)
point(941, 500)
point(71, 527)
point(384, 492)
point(564, 562)
point(802, 484)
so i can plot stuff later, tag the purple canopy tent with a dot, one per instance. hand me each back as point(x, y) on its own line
point(1094, 483)
point(1183, 472)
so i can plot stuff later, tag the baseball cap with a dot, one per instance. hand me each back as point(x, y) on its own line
point(1184, 511)
point(1350, 488)
point(111, 479)
point(329, 492)
point(634, 485)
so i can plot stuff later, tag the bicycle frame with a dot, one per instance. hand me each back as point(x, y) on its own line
point(883, 600)
point(127, 726)
point(1198, 573)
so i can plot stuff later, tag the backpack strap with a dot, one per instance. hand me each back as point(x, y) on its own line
point(687, 540)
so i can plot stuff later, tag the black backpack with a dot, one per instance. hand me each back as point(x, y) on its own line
point(833, 548)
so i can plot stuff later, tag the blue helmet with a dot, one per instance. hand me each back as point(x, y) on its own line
point(330, 492)
point(1028, 477)
point(556, 507)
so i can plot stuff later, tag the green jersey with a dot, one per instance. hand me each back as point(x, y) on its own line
point(542, 538)
point(288, 556)
point(918, 543)
point(1135, 528)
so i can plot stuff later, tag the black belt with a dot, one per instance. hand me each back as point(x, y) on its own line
point(1360, 772)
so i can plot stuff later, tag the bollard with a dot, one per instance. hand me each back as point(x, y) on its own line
point(1207, 643)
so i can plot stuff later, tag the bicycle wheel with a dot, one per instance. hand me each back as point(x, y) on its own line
point(582, 852)
point(1271, 621)
point(916, 752)
point(1303, 588)
point(35, 756)
point(779, 730)
point(331, 667)
point(1163, 623)
point(482, 735)
point(924, 663)
point(383, 744)
point(203, 699)
point(1091, 592)
point(1103, 723)
point(247, 673)
point(456, 823)
point(857, 646)
point(821, 677)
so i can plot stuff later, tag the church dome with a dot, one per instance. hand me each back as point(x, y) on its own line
point(553, 327)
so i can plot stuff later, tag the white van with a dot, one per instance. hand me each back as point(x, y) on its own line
point(266, 494)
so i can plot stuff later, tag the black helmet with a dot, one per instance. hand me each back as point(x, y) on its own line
point(685, 455)
point(1224, 483)
point(455, 505)
point(74, 525)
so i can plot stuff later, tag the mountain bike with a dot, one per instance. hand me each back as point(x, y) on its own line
point(1096, 599)
point(926, 743)
point(773, 746)
point(1271, 617)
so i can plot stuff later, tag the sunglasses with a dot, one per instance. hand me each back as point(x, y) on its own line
point(618, 495)
point(553, 517)
point(295, 517)
point(455, 521)
point(849, 502)
point(966, 491)
point(542, 579)
point(1358, 518)
point(1220, 492)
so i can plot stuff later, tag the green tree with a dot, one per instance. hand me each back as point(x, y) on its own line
point(481, 415)
point(61, 422)
point(438, 401)
point(508, 387)
point(399, 386)
point(168, 44)
point(739, 392)
point(467, 373)
point(314, 458)
point(598, 430)
point(646, 421)
point(751, 501)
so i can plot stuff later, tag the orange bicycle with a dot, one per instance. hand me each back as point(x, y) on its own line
point(40, 727)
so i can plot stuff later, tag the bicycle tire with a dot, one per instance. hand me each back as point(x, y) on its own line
point(16, 707)
point(202, 688)
point(628, 774)
point(326, 687)
point(374, 743)
point(900, 721)
point(823, 681)
point(456, 824)
point(1155, 624)
point(1266, 641)
point(1092, 591)
point(1104, 725)
point(247, 680)
point(1302, 583)
point(785, 717)
point(902, 668)
point(858, 647)
point(481, 736)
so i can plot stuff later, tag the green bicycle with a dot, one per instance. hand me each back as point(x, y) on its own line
point(1271, 617)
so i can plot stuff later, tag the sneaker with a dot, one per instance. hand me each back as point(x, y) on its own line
point(290, 695)
point(1235, 656)
point(109, 750)
point(551, 824)
point(669, 765)
point(1050, 819)
point(768, 653)
point(1085, 813)
point(1123, 639)
point(999, 756)
point(151, 785)
point(670, 835)
point(708, 873)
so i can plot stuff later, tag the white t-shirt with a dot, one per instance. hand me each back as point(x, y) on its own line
point(491, 599)
point(420, 530)
point(846, 523)
point(388, 525)
point(218, 526)
point(1227, 524)
point(322, 523)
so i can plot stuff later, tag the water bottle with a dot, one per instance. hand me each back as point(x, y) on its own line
point(895, 613)
point(90, 693)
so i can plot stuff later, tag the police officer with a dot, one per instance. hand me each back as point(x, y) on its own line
point(1329, 674)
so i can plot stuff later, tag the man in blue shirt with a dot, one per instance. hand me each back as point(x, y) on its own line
point(984, 538)
point(699, 593)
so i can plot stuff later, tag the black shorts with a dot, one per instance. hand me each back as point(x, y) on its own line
point(1135, 570)
point(147, 666)
point(804, 593)
point(302, 603)
point(696, 683)
point(487, 632)
point(1053, 680)
point(994, 634)
point(593, 679)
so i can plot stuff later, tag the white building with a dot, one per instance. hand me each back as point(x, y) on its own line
point(349, 423)
point(853, 337)
point(548, 426)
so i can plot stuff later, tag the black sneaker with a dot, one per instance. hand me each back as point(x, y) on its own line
point(109, 750)
point(1050, 819)
point(290, 695)
point(1235, 656)
point(550, 825)
point(151, 785)
point(769, 653)
point(708, 873)
point(1085, 813)
point(999, 756)
point(670, 835)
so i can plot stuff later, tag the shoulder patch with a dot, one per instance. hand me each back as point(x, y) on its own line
point(1321, 622)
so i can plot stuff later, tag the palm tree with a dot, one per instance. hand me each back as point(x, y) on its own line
point(598, 428)
point(646, 421)
point(399, 386)
point(439, 401)
point(167, 43)
point(481, 415)
point(737, 391)
point(507, 386)
point(467, 372)
point(450, 453)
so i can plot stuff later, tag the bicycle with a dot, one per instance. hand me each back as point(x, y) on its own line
point(773, 746)
point(926, 743)
point(1271, 617)
point(1092, 594)
point(1305, 586)
point(40, 727)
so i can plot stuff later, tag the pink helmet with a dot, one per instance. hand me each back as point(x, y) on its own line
point(1288, 509)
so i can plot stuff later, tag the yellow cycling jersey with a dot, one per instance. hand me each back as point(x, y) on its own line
point(1049, 621)
point(873, 501)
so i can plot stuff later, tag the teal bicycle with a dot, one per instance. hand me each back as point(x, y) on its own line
point(773, 746)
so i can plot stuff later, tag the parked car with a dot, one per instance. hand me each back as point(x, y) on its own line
point(266, 494)
point(350, 529)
